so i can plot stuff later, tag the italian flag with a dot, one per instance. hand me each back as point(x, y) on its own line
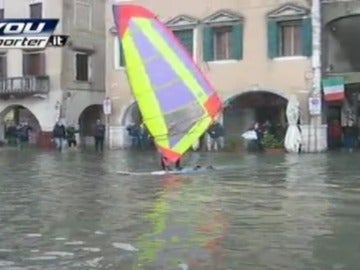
point(334, 89)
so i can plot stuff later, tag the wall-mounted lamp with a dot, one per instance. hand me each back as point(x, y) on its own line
point(113, 30)
point(329, 68)
point(57, 105)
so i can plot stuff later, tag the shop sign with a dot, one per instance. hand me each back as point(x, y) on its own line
point(107, 106)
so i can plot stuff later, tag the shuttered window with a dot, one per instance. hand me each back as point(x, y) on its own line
point(3, 65)
point(186, 37)
point(83, 14)
point(121, 54)
point(223, 43)
point(82, 66)
point(34, 64)
point(289, 38)
point(306, 34)
point(36, 11)
point(119, 57)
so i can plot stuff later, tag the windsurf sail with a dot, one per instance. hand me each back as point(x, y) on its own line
point(176, 101)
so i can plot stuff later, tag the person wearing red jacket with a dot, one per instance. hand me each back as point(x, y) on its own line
point(335, 134)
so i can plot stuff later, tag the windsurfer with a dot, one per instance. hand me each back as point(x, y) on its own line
point(165, 166)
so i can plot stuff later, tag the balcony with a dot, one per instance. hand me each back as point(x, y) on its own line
point(24, 86)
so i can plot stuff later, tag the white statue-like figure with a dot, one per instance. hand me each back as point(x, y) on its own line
point(292, 140)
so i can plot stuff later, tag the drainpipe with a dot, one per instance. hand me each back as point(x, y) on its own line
point(315, 120)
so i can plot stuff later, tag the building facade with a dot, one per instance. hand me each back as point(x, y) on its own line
point(42, 86)
point(256, 53)
point(341, 59)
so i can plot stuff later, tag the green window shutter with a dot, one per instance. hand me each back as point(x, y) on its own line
point(306, 37)
point(208, 44)
point(272, 38)
point(237, 41)
point(186, 37)
point(122, 56)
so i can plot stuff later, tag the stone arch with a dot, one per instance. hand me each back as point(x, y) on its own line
point(343, 10)
point(130, 114)
point(243, 108)
point(87, 120)
point(257, 89)
point(341, 44)
point(17, 113)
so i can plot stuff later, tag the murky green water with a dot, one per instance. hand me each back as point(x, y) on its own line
point(71, 211)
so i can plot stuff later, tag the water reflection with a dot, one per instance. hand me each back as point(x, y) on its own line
point(339, 248)
point(71, 211)
point(185, 228)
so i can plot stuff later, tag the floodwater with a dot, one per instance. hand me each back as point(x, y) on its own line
point(72, 211)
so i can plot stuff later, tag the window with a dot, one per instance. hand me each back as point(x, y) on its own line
point(290, 38)
point(186, 37)
point(36, 11)
point(82, 13)
point(3, 65)
point(82, 66)
point(289, 35)
point(119, 59)
point(2, 9)
point(34, 64)
point(223, 42)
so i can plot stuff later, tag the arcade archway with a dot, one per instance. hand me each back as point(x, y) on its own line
point(242, 111)
point(14, 115)
point(132, 115)
point(342, 45)
point(87, 121)
point(138, 135)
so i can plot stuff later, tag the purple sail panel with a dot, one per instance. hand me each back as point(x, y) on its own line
point(174, 139)
point(171, 95)
point(161, 73)
point(175, 96)
point(183, 55)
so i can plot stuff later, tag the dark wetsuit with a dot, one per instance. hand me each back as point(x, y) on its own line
point(166, 167)
point(163, 164)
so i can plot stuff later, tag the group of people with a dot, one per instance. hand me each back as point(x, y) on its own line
point(62, 134)
point(18, 135)
point(346, 136)
point(255, 143)
point(216, 134)
point(140, 137)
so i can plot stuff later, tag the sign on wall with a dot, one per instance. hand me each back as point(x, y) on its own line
point(315, 105)
point(107, 106)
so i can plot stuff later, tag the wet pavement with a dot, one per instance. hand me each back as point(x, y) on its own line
point(72, 211)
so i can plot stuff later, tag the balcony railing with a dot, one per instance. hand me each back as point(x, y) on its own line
point(24, 86)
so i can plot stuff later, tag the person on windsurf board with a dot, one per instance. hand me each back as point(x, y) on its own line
point(165, 166)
